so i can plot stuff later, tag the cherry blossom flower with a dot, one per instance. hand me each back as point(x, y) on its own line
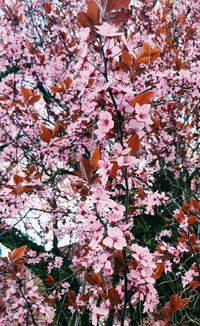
point(97, 237)
point(137, 127)
point(98, 313)
point(143, 256)
point(108, 30)
point(189, 276)
point(168, 266)
point(115, 239)
point(142, 113)
point(105, 121)
point(103, 263)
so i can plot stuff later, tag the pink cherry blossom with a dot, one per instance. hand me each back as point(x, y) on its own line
point(142, 113)
point(105, 121)
point(108, 30)
point(115, 239)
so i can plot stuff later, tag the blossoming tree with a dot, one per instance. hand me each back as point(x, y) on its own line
point(99, 114)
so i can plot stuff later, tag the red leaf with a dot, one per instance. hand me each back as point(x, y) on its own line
point(85, 20)
point(5, 260)
point(119, 261)
point(21, 189)
point(127, 58)
point(155, 53)
point(142, 59)
point(94, 279)
point(18, 253)
point(97, 278)
point(157, 273)
point(47, 7)
point(46, 134)
point(84, 297)
point(117, 4)
point(114, 169)
point(134, 143)
point(176, 303)
point(34, 99)
point(147, 49)
point(89, 279)
point(167, 313)
point(94, 159)
point(192, 219)
point(49, 279)
point(68, 82)
point(93, 11)
point(85, 169)
point(71, 300)
point(35, 116)
point(3, 98)
point(194, 284)
point(56, 130)
point(143, 98)
point(2, 307)
point(18, 179)
point(119, 17)
point(25, 93)
point(57, 89)
point(113, 296)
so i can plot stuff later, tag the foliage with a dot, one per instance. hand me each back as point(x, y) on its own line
point(99, 151)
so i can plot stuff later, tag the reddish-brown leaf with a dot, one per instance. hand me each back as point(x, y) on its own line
point(113, 296)
point(134, 143)
point(47, 7)
point(22, 189)
point(97, 278)
point(176, 303)
point(103, 294)
point(5, 260)
point(155, 53)
point(42, 59)
point(167, 313)
point(46, 134)
point(89, 279)
point(35, 116)
point(2, 307)
point(85, 169)
point(68, 82)
point(34, 99)
point(17, 179)
point(117, 4)
point(18, 253)
point(49, 279)
point(71, 299)
point(147, 49)
point(119, 261)
point(57, 89)
point(94, 159)
point(193, 239)
point(119, 17)
point(85, 20)
point(127, 58)
point(3, 98)
point(114, 169)
point(143, 59)
point(157, 273)
point(85, 297)
point(93, 11)
point(143, 98)
point(192, 219)
point(25, 93)
point(94, 279)
point(194, 284)
point(55, 131)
